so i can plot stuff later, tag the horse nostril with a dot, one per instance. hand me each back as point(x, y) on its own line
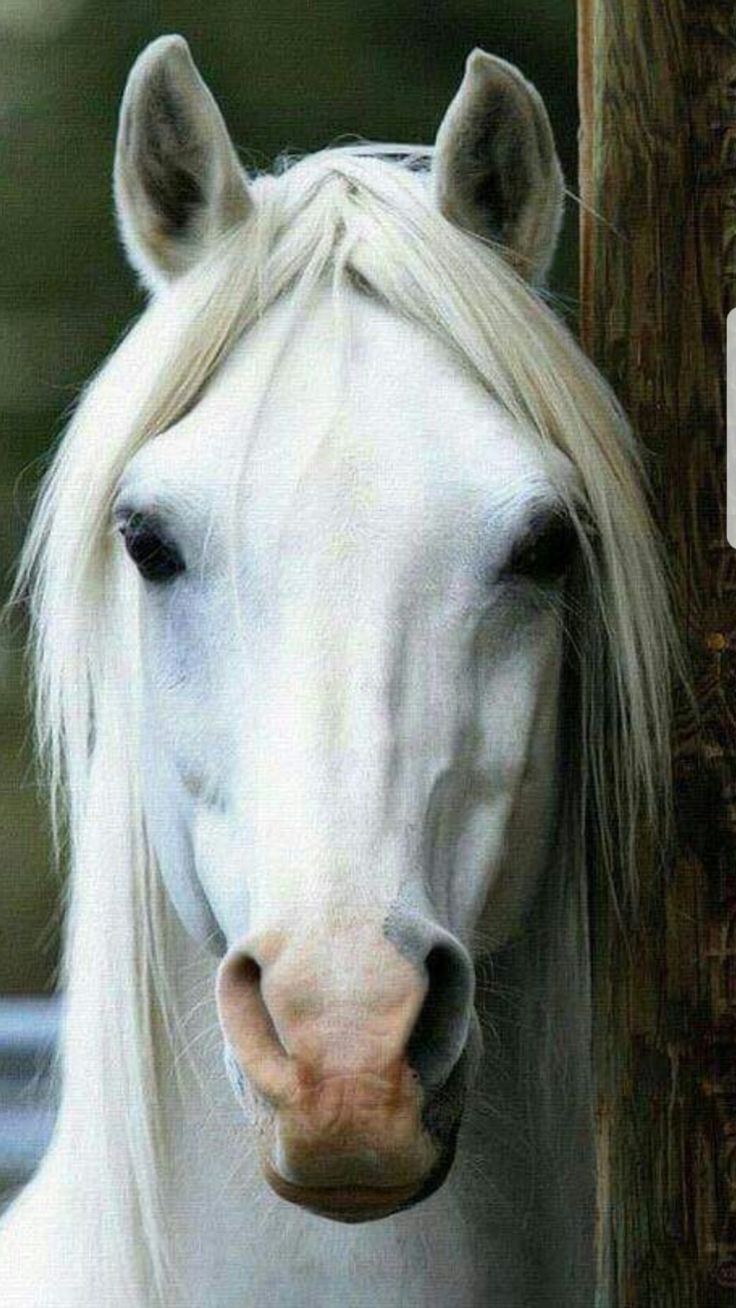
point(441, 1030)
point(246, 1019)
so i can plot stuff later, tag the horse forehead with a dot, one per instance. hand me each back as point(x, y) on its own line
point(384, 399)
point(386, 418)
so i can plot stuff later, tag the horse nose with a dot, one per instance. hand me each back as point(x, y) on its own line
point(346, 1034)
point(298, 1009)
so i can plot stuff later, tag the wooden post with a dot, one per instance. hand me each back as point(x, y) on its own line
point(658, 189)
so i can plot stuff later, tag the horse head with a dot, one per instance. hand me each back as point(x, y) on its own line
point(351, 664)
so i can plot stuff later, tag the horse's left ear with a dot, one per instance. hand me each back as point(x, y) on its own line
point(178, 182)
point(496, 171)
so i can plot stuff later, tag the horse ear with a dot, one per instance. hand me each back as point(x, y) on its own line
point(496, 171)
point(178, 182)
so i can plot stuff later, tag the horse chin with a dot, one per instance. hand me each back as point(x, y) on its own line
point(361, 1203)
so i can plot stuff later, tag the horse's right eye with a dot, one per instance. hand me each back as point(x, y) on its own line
point(156, 558)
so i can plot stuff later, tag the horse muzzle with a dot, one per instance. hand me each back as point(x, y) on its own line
point(333, 1062)
point(353, 1147)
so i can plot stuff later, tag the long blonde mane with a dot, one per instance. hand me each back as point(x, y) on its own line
point(356, 219)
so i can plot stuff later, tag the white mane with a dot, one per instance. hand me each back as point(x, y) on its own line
point(360, 219)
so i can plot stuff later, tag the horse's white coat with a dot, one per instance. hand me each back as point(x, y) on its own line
point(344, 701)
point(314, 701)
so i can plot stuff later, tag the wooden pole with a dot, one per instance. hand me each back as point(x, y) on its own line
point(658, 266)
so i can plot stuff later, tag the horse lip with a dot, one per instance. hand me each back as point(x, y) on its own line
point(358, 1203)
point(348, 1203)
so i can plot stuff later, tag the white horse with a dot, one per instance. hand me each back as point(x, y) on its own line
point(353, 663)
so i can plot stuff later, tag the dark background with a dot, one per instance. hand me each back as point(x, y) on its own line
point(287, 75)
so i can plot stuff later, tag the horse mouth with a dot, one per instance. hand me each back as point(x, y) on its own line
point(361, 1203)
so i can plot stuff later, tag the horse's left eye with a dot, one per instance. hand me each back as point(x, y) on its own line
point(156, 558)
point(546, 556)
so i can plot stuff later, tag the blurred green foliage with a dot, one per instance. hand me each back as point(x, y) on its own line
point(288, 75)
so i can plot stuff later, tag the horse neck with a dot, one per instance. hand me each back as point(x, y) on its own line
point(512, 1225)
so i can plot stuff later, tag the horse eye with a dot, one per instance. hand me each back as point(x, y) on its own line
point(156, 558)
point(548, 554)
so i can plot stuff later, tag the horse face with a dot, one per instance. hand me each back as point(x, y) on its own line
point(351, 647)
point(351, 654)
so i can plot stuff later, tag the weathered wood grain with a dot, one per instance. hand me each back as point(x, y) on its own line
point(658, 265)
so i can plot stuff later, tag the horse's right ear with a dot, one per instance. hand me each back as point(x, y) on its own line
point(178, 182)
